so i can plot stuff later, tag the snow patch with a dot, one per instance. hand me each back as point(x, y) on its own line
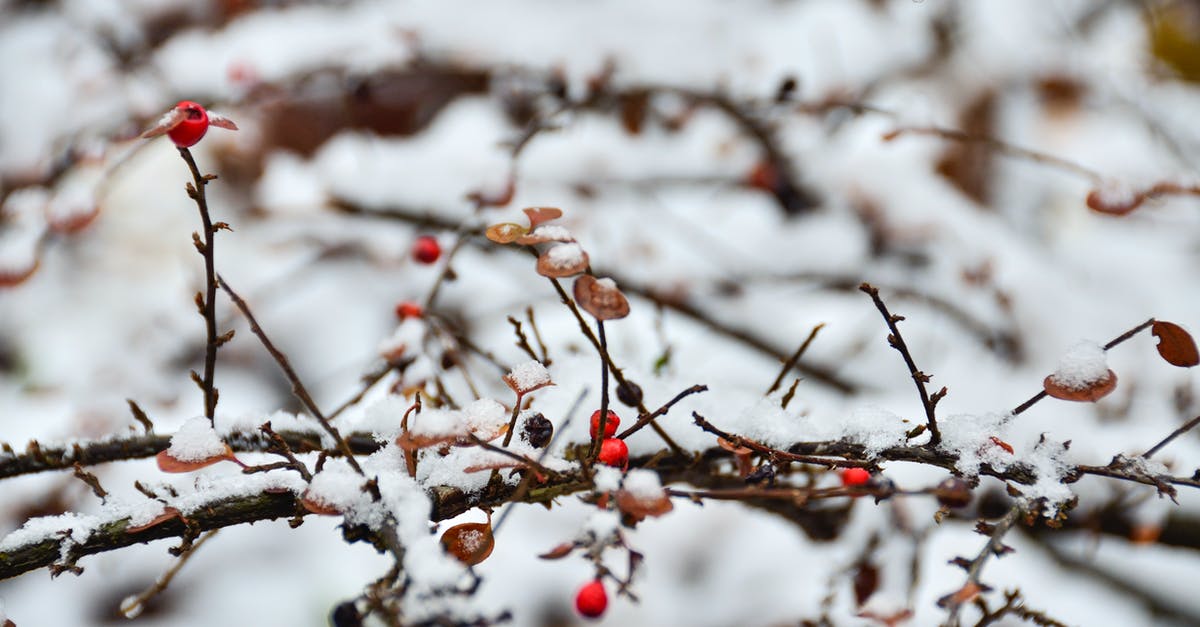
point(196, 441)
point(1084, 364)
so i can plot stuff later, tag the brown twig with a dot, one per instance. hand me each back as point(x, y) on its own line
point(207, 302)
point(774, 453)
point(1033, 400)
point(1174, 434)
point(795, 358)
point(972, 587)
point(999, 146)
point(132, 606)
point(896, 341)
point(646, 419)
point(297, 386)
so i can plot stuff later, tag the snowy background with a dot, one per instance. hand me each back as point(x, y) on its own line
point(365, 125)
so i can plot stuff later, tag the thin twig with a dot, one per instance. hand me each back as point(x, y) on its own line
point(1000, 146)
point(994, 546)
point(209, 304)
point(646, 419)
point(919, 378)
point(1033, 400)
point(1174, 434)
point(132, 606)
point(774, 453)
point(795, 358)
point(297, 386)
point(612, 367)
point(603, 421)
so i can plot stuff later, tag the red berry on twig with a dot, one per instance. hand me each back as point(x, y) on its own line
point(591, 600)
point(610, 424)
point(187, 123)
point(855, 476)
point(614, 452)
point(408, 309)
point(426, 249)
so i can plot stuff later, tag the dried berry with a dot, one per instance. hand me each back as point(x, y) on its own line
point(953, 492)
point(614, 452)
point(537, 431)
point(852, 477)
point(426, 249)
point(591, 600)
point(610, 424)
point(629, 393)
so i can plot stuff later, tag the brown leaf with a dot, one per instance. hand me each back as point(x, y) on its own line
point(538, 215)
point(168, 513)
point(965, 594)
point(9, 278)
point(1113, 203)
point(318, 507)
point(1175, 345)
point(1002, 444)
point(1091, 393)
point(167, 463)
point(562, 260)
point(866, 581)
point(559, 551)
point(505, 232)
point(638, 507)
point(541, 235)
point(601, 298)
point(470, 543)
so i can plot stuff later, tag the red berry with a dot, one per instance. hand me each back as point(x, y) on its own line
point(408, 309)
point(614, 452)
point(426, 249)
point(855, 476)
point(610, 424)
point(192, 128)
point(591, 600)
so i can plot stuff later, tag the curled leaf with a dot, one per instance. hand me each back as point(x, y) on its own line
point(168, 463)
point(506, 232)
point(562, 260)
point(1175, 345)
point(601, 298)
point(1090, 392)
point(470, 543)
point(1114, 200)
point(168, 513)
point(538, 215)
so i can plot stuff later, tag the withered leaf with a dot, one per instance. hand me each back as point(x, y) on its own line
point(1091, 393)
point(562, 260)
point(538, 215)
point(470, 543)
point(506, 232)
point(318, 506)
point(638, 507)
point(167, 463)
point(1175, 345)
point(167, 514)
point(866, 581)
point(559, 551)
point(601, 298)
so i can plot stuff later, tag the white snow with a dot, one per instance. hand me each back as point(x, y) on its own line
point(529, 376)
point(565, 255)
point(643, 485)
point(196, 441)
point(1083, 364)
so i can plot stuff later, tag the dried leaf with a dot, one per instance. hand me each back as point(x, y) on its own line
point(9, 278)
point(1093, 392)
point(318, 506)
point(866, 581)
point(1002, 444)
point(168, 513)
point(562, 260)
point(506, 232)
point(559, 551)
point(544, 234)
point(965, 594)
point(638, 507)
point(601, 298)
point(410, 441)
point(538, 215)
point(1114, 202)
point(1175, 345)
point(167, 463)
point(470, 543)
